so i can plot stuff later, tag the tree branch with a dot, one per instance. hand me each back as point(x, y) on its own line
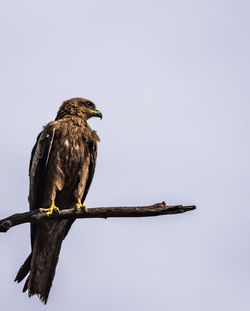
point(36, 216)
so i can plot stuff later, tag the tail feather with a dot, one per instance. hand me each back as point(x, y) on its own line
point(44, 259)
point(24, 269)
point(26, 285)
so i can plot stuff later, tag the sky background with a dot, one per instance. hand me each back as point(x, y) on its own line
point(172, 81)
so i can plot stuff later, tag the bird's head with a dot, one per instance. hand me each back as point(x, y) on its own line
point(80, 107)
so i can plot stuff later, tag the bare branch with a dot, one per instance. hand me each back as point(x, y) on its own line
point(36, 216)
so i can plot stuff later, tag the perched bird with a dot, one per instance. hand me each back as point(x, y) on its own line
point(61, 170)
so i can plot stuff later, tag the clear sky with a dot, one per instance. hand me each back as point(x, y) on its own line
point(172, 81)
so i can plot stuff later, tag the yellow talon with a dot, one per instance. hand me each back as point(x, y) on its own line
point(80, 206)
point(49, 211)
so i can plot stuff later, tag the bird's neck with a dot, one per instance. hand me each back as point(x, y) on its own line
point(71, 112)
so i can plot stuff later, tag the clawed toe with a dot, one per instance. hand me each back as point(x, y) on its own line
point(80, 206)
point(52, 209)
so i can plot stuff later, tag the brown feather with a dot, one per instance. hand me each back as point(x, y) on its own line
point(61, 169)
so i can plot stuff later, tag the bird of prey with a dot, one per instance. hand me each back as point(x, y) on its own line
point(61, 170)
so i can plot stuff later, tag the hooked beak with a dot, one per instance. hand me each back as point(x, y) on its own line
point(98, 114)
point(95, 113)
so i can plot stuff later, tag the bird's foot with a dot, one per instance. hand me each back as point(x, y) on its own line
point(49, 211)
point(79, 206)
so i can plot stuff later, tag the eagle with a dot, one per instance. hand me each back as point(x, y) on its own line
point(61, 170)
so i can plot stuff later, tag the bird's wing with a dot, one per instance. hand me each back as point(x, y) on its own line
point(91, 169)
point(40, 157)
point(86, 180)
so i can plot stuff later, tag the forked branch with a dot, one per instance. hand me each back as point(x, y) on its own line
point(36, 216)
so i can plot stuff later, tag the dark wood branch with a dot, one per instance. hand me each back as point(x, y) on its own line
point(36, 216)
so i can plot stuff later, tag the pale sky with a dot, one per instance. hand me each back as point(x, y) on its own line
point(172, 81)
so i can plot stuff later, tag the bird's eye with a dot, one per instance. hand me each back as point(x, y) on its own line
point(89, 105)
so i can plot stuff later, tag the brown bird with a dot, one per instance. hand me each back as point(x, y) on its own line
point(61, 170)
